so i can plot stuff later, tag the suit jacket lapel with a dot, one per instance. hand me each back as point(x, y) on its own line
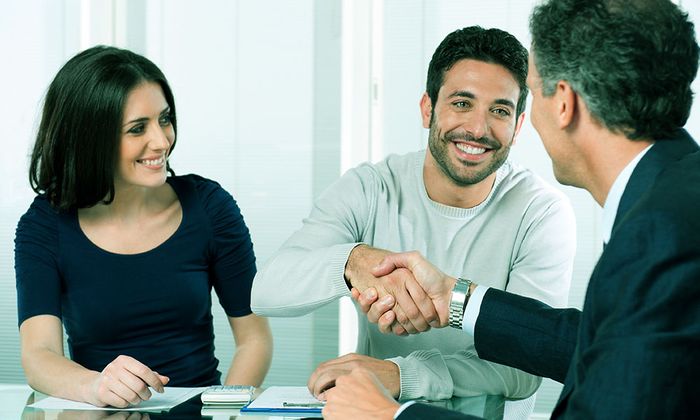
point(654, 161)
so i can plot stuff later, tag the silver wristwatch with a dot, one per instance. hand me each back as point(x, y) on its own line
point(460, 296)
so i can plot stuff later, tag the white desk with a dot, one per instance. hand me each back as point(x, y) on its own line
point(14, 398)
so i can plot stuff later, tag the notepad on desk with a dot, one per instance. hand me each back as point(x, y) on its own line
point(158, 402)
point(285, 399)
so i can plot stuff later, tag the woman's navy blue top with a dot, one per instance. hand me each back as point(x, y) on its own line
point(154, 306)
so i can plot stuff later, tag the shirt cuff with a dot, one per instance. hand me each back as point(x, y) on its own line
point(471, 312)
point(403, 407)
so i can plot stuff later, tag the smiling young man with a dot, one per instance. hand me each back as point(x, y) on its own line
point(472, 127)
point(460, 201)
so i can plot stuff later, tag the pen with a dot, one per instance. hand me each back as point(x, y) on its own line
point(303, 405)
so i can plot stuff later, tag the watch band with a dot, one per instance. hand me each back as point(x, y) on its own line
point(458, 301)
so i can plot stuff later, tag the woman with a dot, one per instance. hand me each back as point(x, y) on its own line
point(120, 253)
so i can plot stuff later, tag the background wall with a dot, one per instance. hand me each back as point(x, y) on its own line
point(275, 100)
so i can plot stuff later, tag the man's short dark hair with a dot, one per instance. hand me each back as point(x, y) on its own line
point(77, 145)
point(476, 43)
point(632, 61)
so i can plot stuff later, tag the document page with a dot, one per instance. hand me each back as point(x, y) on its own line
point(285, 398)
point(171, 397)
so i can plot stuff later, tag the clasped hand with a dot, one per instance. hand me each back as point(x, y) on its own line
point(408, 295)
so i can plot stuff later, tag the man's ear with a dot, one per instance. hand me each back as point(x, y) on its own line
point(566, 104)
point(518, 126)
point(426, 109)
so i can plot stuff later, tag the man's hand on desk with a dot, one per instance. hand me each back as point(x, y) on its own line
point(326, 375)
point(359, 395)
point(395, 286)
point(123, 382)
point(430, 290)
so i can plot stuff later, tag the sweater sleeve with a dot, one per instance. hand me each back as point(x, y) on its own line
point(307, 272)
point(232, 260)
point(542, 269)
point(36, 262)
point(432, 375)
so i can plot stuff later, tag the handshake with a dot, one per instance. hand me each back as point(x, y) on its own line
point(402, 293)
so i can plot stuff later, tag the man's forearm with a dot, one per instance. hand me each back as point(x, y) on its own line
point(296, 280)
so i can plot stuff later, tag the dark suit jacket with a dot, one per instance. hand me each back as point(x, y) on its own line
point(634, 351)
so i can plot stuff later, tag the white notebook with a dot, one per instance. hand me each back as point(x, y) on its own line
point(170, 397)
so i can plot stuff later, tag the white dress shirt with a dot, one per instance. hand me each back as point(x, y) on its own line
point(612, 201)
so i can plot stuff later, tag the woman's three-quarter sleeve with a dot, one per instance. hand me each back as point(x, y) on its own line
point(36, 262)
point(231, 250)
